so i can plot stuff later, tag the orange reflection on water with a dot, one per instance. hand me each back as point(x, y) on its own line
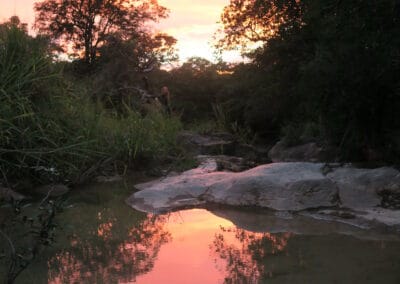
point(191, 246)
point(104, 230)
point(187, 258)
point(191, 257)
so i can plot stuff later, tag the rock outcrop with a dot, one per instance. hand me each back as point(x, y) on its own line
point(291, 187)
point(279, 186)
point(229, 163)
point(308, 152)
point(221, 144)
point(362, 188)
point(301, 224)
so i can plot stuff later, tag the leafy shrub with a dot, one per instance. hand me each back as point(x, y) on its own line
point(51, 131)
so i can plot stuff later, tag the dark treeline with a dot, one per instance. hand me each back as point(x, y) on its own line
point(326, 71)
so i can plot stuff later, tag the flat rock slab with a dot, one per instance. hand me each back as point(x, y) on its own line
point(176, 191)
point(280, 186)
point(300, 224)
point(297, 186)
point(370, 218)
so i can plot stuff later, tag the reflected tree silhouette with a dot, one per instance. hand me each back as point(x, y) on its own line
point(108, 256)
point(248, 256)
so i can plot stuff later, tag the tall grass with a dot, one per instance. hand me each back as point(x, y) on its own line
point(50, 131)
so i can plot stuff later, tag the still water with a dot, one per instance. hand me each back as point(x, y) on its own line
point(102, 240)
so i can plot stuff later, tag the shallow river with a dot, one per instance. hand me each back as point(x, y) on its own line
point(102, 240)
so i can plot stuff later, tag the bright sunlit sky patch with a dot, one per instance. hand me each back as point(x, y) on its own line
point(191, 22)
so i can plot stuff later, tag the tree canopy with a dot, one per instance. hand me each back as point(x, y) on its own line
point(325, 68)
point(82, 26)
point(247, 21)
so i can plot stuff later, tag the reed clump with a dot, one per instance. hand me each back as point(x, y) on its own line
point(50, 131)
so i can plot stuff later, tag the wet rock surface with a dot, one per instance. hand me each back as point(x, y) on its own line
point(305, 224)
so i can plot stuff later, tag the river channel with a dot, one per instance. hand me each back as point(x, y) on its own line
point(100, 239)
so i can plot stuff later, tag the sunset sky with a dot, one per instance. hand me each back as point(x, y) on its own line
point(192, 22)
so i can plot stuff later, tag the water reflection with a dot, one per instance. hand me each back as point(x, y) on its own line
point(245, 251)
point(251, 257)
point(105, 259)
point(103, 241)
point(187, 257)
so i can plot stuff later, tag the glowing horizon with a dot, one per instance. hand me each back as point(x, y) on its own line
point(192, 23)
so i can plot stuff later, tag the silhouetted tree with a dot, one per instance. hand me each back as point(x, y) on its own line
point(84, 25)
point(247, 21)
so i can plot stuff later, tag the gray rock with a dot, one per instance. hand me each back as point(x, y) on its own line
point(279, 186)
point(360, 188)
point(304, 224)
point(351, 195)
point(219, 143)
point(309, 152)
point(377, 218)
point(229, 163)
point(176, 191)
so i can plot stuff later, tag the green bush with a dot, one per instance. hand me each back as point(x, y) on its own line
point(51, 131)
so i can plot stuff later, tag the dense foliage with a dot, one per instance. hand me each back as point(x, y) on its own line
point(50, 128)
point(327, 69)
point(324, 71)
